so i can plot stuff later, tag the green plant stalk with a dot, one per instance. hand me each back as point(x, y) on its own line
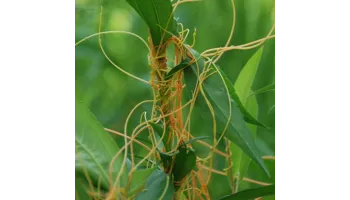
point(165, 92)
point(159, 67)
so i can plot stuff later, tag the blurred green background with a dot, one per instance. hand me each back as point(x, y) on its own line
point(111, 95)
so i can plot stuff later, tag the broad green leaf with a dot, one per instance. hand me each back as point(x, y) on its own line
point(201, 125)
point(138, 179)
point(95, 148)
point(247, 116)
point(81, 188)
point(182, 65)
point(166, 160)
point(158, 186)
point(244, 82)
point(158, 16)
point(183, 196)
point(214, 88)
point(251, 194)
point(270, 197)
point(184, 164)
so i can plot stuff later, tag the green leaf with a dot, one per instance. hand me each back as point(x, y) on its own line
point(81, 188)
point(195, 139)
point(138, 179)
point(266, 76)
point(158, 16)
point(251, 193)
point(247, 116)
point(237, 132)
point(219, 185)
point(185, 63)
point(244, 82)
point(148, 160)
point(184, 164)
point(158, 186)
point(214, 88)
point(239, 160)
point(264, 89)
point(166, 159)
point(253, 173)
point(95, 148)
point(183, 196)
point(243, 88)
point(201, 126)
point(243, 85)
point(159, 131)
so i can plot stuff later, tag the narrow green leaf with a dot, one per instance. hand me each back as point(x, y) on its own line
point(271, 109)
point(243, 88)
point(184, 164)
point(251, 194)
point(138, 179)
point(253, 173)
point(158, 16)
point(94, 148)
point(214, 88)
point(158, 186)
point(159, 131)
point(165, 157)
point(195, 139)
point(185, 63)
point(239, 160)
point(141, 158)
point(219, 185)
point(264, 89)
point(247, 116)
point(244, 82)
